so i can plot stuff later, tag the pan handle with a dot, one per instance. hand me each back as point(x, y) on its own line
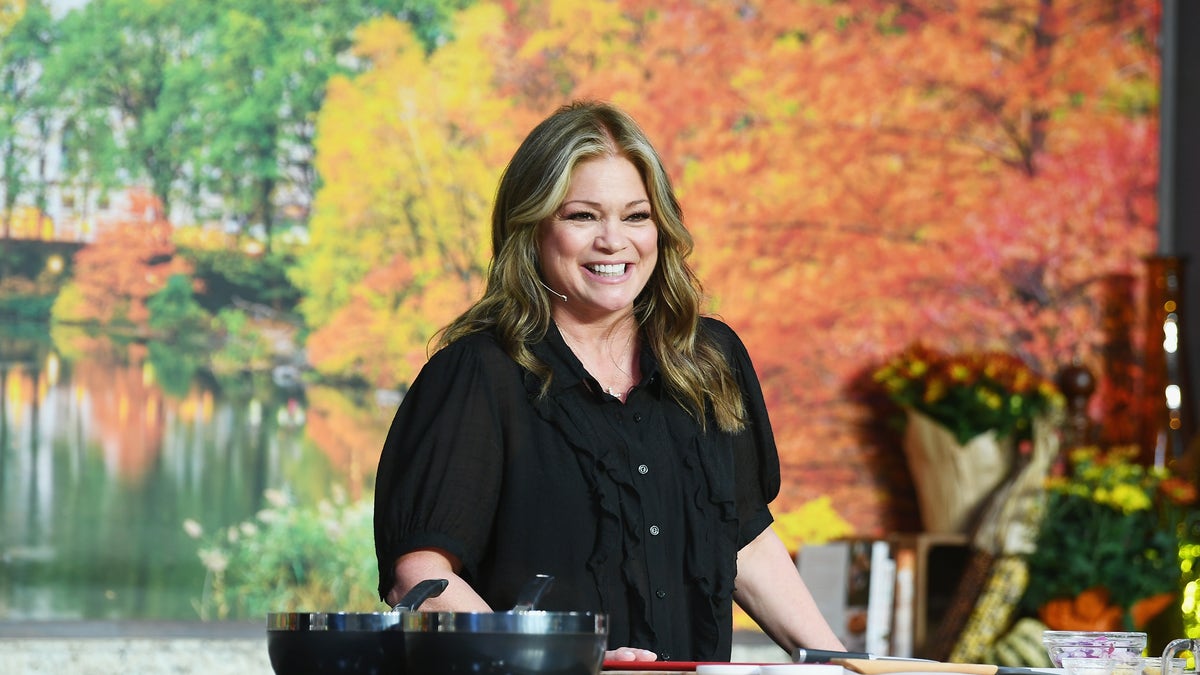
point(533, 590)
point(424, 590)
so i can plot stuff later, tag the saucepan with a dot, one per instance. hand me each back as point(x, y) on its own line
point(521, 641)
point(364, 643)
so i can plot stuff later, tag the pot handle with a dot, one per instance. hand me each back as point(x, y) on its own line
point(424, 590)
point(533, 590)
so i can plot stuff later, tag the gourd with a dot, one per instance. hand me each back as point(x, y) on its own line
point(1021, 646)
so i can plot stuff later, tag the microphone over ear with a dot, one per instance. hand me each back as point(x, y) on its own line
point(564, 298)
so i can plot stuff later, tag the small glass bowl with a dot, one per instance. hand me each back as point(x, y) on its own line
point(1074, 644)
point(1121, 665)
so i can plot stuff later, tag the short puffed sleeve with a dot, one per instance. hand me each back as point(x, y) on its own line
point(755, 456)
point(441, 466)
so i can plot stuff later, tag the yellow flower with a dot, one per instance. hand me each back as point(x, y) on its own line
point(935, 392)
point(969, 393)
point(1124, 497)
point(991, 399)
point(1083, 455)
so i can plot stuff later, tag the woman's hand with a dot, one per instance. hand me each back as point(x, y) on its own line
point(630, 654)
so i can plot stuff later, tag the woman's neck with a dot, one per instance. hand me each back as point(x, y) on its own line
point(608, 351)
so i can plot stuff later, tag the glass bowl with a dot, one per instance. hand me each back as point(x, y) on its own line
point(1121, 665)
point(1075, 644)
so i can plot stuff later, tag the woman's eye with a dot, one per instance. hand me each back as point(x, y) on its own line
point(580, 215)
point(640, 216)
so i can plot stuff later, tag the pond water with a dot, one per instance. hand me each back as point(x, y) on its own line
point(108, 448)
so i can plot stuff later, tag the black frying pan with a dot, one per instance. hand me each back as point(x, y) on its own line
point(363, 643)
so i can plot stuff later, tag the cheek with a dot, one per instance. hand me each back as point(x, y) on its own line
point(556, 248)
point(648, 245)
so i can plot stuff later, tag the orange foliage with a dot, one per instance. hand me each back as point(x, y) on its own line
point(860, 175)
point(129, 262)
point(384, 332)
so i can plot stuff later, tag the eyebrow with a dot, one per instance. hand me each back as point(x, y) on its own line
point(596, 205)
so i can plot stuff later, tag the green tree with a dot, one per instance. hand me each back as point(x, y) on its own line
point(126, 100)
point(265, 81)
point(174, 312)
point(203, 99)
point(24, 44)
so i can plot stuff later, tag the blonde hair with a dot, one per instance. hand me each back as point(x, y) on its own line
point(517, 306)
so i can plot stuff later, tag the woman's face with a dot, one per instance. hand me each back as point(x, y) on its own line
point(601, 245)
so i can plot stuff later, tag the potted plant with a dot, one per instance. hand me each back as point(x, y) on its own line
point(1107, 553)
point(966, 418)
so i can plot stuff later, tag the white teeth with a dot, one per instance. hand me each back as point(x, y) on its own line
point(608, 270)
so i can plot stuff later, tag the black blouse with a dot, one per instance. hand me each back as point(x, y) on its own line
point(633, 509)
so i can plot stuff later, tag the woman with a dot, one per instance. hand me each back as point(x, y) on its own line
point(583, 420)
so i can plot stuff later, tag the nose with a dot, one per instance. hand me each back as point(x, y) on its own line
point(611, 237)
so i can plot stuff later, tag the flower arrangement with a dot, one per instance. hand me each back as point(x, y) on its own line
point(1107, 553)
point(969, 393)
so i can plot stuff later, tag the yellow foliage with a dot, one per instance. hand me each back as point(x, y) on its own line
point(10, 13)
point(70, 305)
point(410, 152)
point(814, 522)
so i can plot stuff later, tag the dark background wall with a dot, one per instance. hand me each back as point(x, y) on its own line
point(1185, 173)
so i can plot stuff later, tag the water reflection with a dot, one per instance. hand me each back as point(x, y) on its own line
point(107, 447)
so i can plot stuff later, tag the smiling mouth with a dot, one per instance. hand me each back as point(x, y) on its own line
point(614, 270)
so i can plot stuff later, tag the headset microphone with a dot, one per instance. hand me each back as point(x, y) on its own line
point(552, 290)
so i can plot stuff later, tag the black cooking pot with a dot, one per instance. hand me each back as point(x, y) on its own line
point(343, 642)
point(363, 643)
point(521, 641)
point(504, 643)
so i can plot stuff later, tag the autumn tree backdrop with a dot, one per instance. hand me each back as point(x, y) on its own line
point(858, 175)
point(267, 208)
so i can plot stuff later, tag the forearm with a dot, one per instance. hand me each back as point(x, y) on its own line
point(412, 568)
point(770, 590)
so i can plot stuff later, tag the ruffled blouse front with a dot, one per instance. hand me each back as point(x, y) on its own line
point(634, 510)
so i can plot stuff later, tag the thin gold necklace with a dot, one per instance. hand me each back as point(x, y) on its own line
point(611, 391)
point(619, 395)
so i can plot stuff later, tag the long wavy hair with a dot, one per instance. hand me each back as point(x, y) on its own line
point(517, 307)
